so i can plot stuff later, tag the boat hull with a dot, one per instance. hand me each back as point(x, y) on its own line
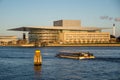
point(77, 55)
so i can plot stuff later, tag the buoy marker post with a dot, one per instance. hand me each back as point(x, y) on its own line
point(37, 58)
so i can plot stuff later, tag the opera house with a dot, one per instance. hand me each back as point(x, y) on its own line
point(65, 32)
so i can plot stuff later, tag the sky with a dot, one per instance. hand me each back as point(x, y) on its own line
point(92, 13)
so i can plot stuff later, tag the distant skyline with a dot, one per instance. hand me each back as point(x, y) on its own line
point(92, 13)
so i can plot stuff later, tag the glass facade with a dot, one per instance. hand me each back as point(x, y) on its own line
point(48, 36)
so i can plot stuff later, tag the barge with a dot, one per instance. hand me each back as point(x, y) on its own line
point(75, 55)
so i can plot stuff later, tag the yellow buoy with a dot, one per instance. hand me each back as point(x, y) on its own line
point(37, 58)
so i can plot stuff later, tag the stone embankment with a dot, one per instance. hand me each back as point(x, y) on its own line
point(110, 45)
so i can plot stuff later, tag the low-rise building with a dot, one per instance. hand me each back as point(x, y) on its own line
point(8, 40)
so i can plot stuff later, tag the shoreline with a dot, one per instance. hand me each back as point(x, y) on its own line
point(69, 45)
point(88, 45)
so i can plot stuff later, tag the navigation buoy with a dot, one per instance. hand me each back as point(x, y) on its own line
point(37, 58)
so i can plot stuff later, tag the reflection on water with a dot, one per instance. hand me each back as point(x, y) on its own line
point(37, 70)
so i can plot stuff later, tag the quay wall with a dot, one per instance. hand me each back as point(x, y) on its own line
point(55, 45)
point(84, 45)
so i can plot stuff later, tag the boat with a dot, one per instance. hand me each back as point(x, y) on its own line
point(75, 55)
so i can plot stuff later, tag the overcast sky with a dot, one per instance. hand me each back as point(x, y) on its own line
point(92, 13)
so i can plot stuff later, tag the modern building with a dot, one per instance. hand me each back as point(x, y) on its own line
point(8, 40)
point(65, 32)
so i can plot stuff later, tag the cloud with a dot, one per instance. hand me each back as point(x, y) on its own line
point(110, 18)
point(117, 19)
point(104, 17)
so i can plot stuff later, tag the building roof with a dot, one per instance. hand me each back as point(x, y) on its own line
point(60, 25)
point(29, 28)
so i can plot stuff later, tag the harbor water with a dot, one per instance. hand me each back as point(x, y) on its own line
point(16, 63)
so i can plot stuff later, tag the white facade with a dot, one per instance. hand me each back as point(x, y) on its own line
point(85, 37)
point(8, 40)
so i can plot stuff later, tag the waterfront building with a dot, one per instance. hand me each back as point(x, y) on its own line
point(8, 40)
point(65, 32)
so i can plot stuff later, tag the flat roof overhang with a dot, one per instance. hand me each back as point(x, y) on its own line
point(56, 28)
